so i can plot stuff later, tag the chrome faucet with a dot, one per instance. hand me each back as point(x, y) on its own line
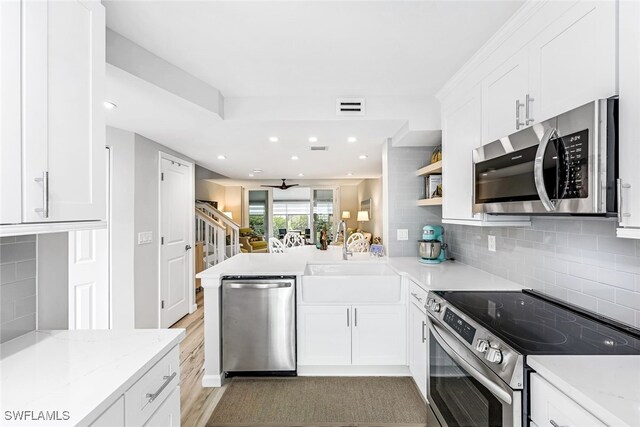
point(345, 249)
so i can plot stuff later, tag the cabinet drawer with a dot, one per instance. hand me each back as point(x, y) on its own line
point(551, 407)
point(146, 395)
point(418, 296)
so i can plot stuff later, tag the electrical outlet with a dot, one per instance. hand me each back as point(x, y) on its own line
point(491, 243)
point(403, 234)
point(145, 237)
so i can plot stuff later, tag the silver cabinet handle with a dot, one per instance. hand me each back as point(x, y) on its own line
point(415, 295)
point(518, 106)
point(45, 194)
point(243, 285)
point(167, 379)
point(347, 317)
point(424, 326)
point(527, 110)
point(355, 317)
point(621, 186)
point(555, 424)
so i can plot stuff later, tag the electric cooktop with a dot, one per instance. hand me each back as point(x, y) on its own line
point(533, 324)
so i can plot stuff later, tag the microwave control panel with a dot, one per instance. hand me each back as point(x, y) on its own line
point(576, 170)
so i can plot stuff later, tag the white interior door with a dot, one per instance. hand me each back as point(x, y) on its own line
point(89, 279)
point(175, 240)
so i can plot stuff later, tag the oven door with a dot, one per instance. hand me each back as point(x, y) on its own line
point(462, 390)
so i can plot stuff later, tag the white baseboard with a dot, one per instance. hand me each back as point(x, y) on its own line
point(193, 308)
point(354, 371)
point(212, 380)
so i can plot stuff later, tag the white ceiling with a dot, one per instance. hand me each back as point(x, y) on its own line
point(288, 49)
point(297, 48)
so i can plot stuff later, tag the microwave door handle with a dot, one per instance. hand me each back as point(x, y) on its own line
point(494, 388)
point(538, 170)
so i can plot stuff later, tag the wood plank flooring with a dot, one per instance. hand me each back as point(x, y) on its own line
point(196, 402)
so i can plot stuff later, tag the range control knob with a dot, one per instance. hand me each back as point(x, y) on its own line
point(482, 345)
point(436, 307)
point(494, 355)
point(430, 302)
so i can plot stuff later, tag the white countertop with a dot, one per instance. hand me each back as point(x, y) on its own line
point(449, 275)
point(82, 371)
point(606, 386)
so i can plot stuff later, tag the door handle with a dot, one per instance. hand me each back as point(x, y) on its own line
point(188, 247)
point(424, 326)
point(355, 317)
point(518, 106)
point(527, 110)
point(538, 170)
point(621, 186)
point(347, 317)
point(274, 285)
point(45, 194)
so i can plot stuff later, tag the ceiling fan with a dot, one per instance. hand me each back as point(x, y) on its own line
point(283, 186)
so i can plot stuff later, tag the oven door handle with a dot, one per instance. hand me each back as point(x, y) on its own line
point(494, 388)
point(538, 170)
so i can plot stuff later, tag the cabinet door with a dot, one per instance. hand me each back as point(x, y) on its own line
point(629, 113)
point(573, 61)
point(63, 133)
point(324, 335)
point(168, 414)
point(501, 90)
point(114, 416)
point(379, 335)
point(10, 112)
point(418, 347)
point(461, 134)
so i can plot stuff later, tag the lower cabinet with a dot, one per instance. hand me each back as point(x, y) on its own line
point(168, 414)
point(418, 347)
point(352, 335)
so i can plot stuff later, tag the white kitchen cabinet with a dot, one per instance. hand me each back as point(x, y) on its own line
point(378, 335)
point(10, 191)
point(418, 347)
point(573, 60)
point(114, 416)
point(53, 127)
point(324, 335)
point(503, 98)
point(629, 113)
point(168, 414)
point(352, 334)
point(551, 407)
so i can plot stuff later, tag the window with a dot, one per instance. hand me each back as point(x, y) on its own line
point(291, 215)
point(322, 212)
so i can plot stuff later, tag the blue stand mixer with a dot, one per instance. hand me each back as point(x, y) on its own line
point(432, 246)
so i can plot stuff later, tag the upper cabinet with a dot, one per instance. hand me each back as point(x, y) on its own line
point(61, 160)
point(629, 186)
point(549, 58)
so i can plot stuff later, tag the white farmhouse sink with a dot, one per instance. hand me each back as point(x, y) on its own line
point(356, 282)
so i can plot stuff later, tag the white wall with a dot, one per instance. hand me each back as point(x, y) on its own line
point(349, 202)
point(122, 144)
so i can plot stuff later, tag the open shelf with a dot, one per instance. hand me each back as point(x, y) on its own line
point(435, 201)
point(430, 169)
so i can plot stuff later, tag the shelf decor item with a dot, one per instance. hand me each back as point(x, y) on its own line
point(433, 186)
point(436, 154)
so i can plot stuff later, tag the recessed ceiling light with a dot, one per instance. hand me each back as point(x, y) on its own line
point(257, 171)
point(363, 156)
point(273, 138)
point(294, 157)
point(222, 157)
point(352, 139)
point(251, 175)
point(109, 105)
point(313, 139)
point(349, 174)
point(300, 174)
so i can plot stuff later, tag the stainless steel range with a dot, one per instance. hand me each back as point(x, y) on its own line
point(479, 342)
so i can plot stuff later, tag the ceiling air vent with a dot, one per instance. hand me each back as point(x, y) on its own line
point(318, 148)
point(350, 107)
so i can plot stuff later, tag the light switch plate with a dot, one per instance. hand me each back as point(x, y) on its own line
point(145, 237)
point(403, 234)
point(491, 243)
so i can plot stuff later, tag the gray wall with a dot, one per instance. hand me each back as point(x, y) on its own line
point(53, 281)
point(579, 261)
point(18, 276)
point(146, 218)
point(403, 189)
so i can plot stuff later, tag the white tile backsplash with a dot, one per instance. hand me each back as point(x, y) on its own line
point(579, 261)
point(17, 286)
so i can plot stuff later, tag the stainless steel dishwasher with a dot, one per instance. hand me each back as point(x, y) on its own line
point(259, 325)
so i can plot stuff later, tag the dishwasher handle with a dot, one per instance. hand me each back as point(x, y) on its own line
point(257, 285)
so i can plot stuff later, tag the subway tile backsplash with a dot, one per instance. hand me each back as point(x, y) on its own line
point(17, 286)
point(579, 261)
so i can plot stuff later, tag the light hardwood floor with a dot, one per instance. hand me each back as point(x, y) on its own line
point(196, 402)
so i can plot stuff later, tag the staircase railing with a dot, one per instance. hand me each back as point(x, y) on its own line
point(212, 228)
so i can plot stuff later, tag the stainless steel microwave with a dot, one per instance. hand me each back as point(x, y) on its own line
point(567, 165)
